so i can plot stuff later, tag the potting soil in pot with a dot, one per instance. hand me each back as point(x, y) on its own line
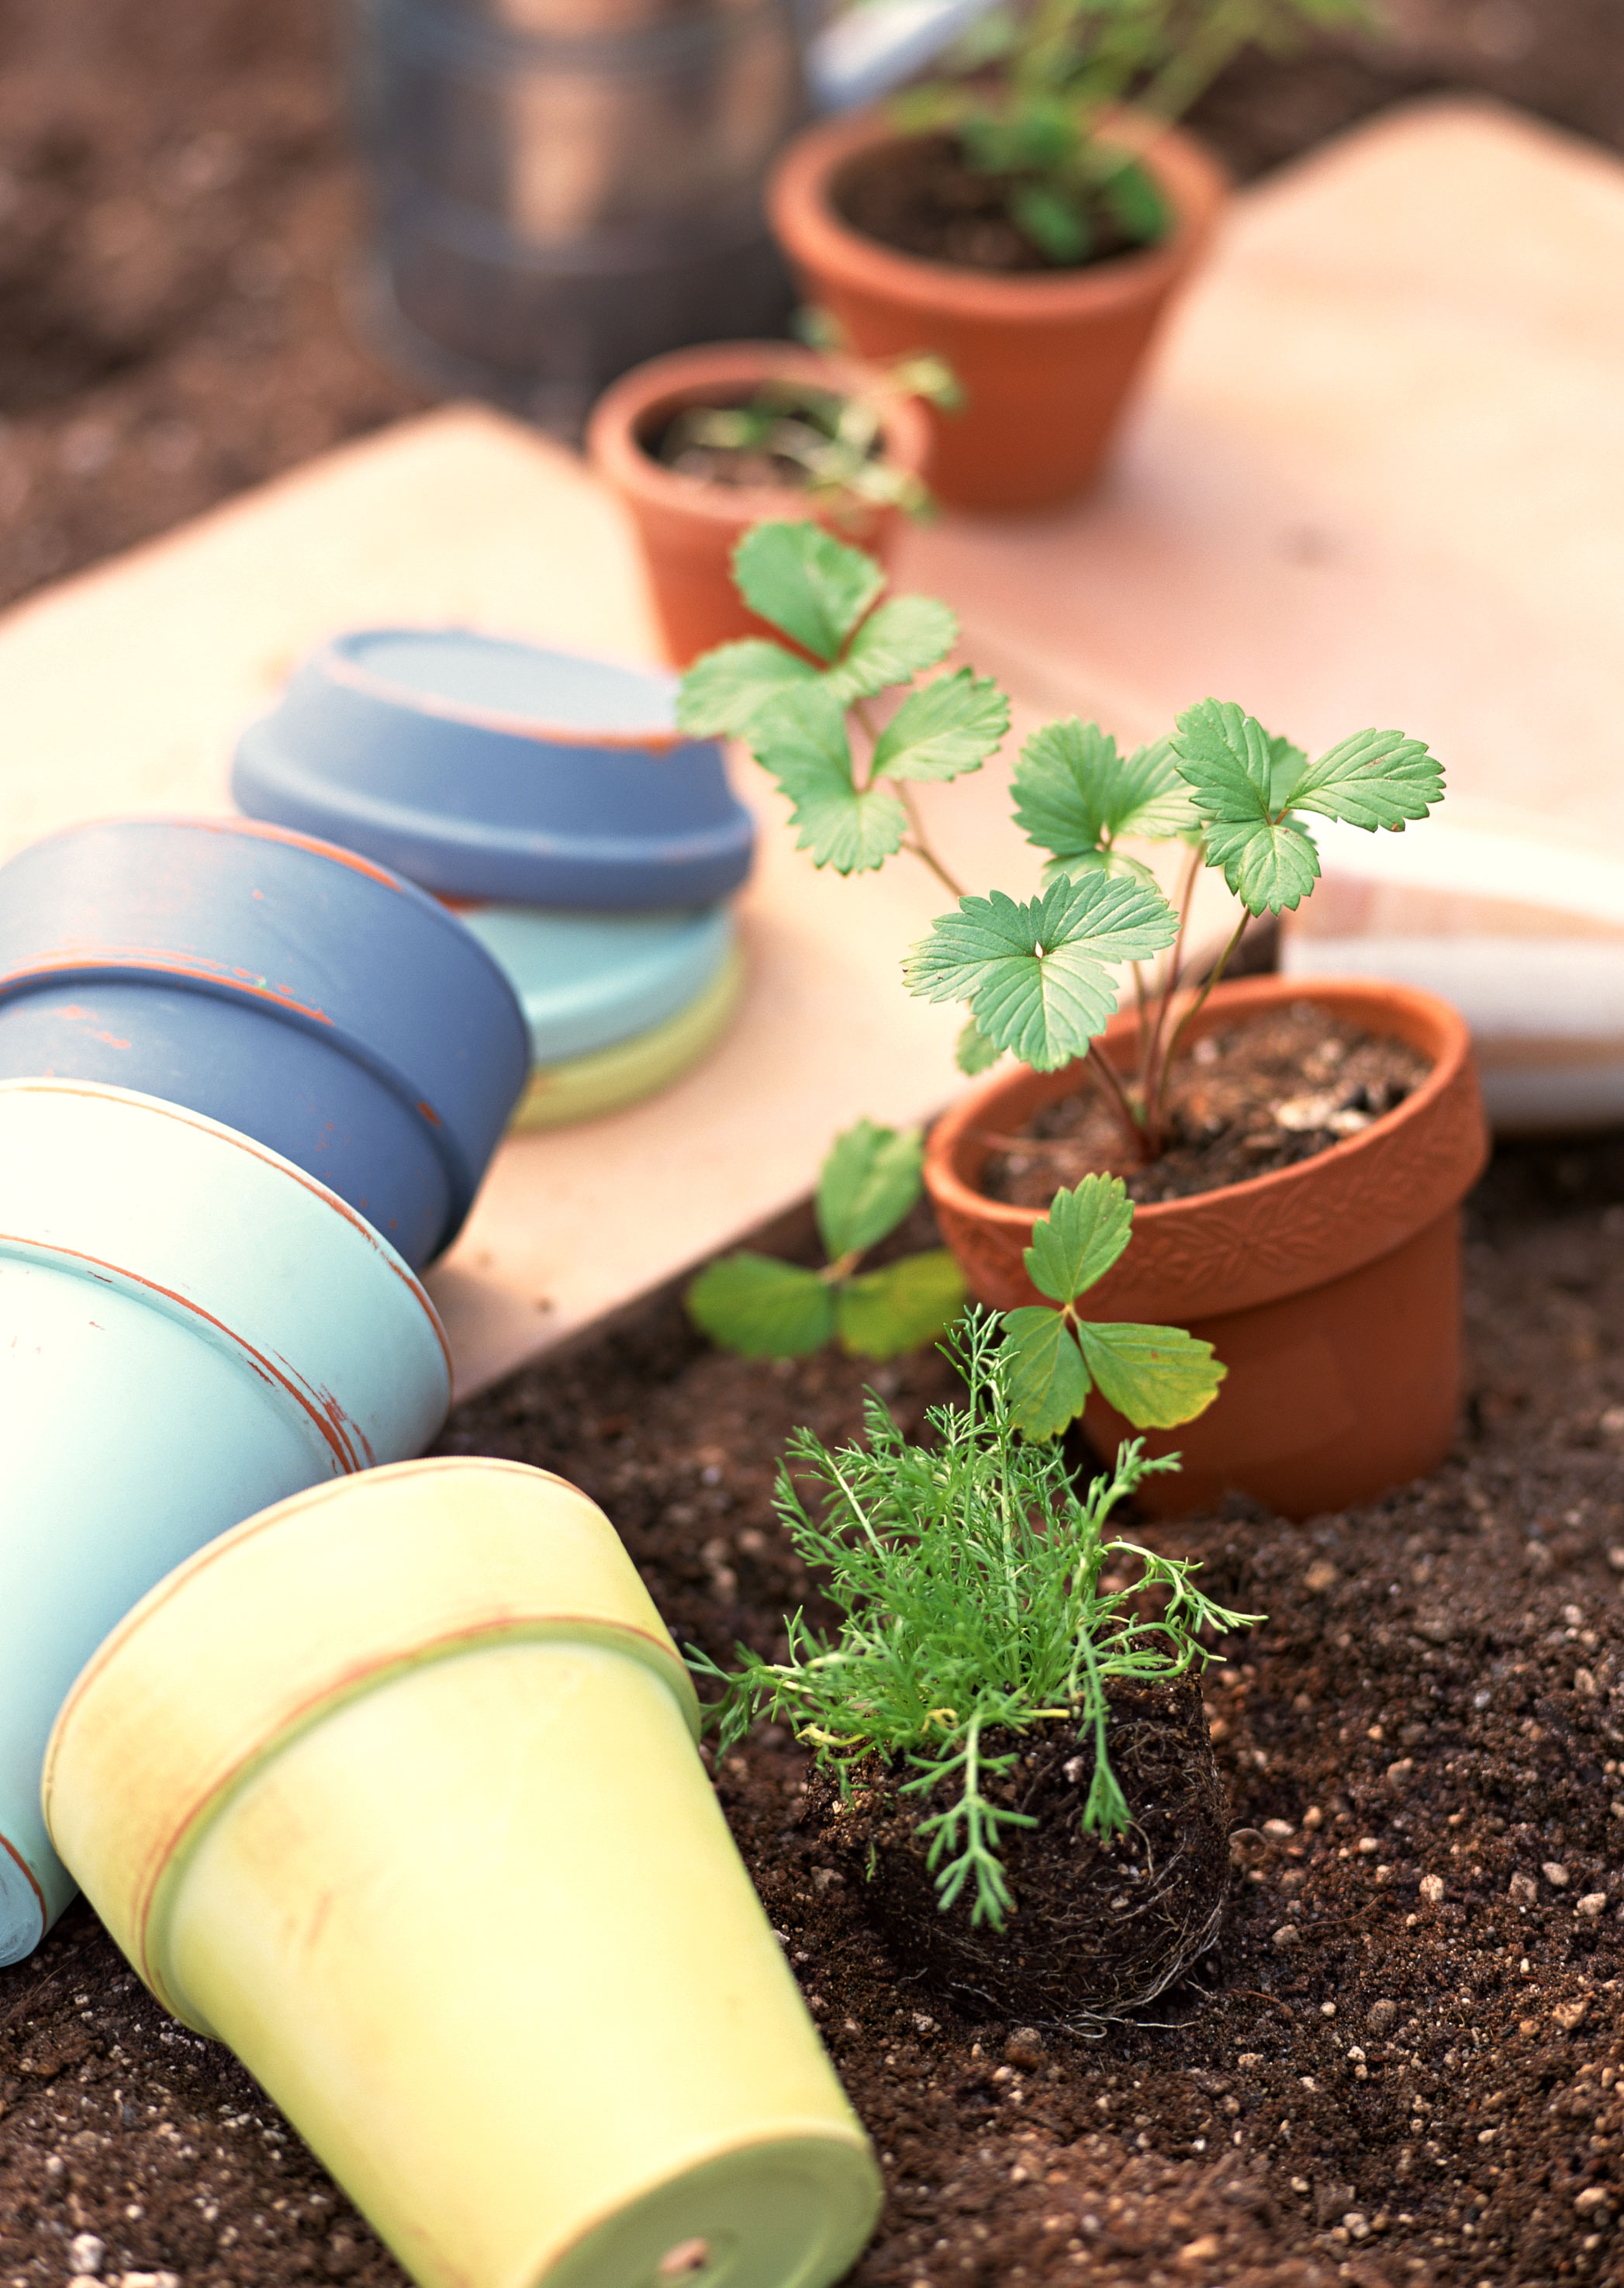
point(921, 195)
point(1399, 2064)
point(1255, 1096)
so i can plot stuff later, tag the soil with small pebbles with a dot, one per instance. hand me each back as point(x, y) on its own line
point(1266, 1094)
point(1399, 2064)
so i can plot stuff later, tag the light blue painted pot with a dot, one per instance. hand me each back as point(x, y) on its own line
point(588, 981)
point(285, 987)
point(190, 1327)
point(488, 769)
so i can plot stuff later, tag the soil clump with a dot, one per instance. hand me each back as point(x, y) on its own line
point(1267, 1094)
point(1101, 1925)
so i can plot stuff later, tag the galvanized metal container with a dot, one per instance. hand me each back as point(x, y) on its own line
point(289, 989)
point(190, 1327)
point(564, 187)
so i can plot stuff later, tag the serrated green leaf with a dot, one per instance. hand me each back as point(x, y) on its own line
point(1267, 865)
point(1075, 795)
point(800, 578)
point(723, 692)
point(1045, 1380)
point(1037, 977)
point(759, 1307)
point(1155, 1376)
point(1080, 1237)
point(972, 1051)
point(949, 727)
point(1374, 779)
point(801, 738)
point(898, 640)
point(1243, 779)
point(899, 1307)
point(869, 1180)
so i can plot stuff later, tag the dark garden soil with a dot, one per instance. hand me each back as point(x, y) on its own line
point(178, 209)
point(1253, 1098)
point(924, 197)
point(1399, 2064)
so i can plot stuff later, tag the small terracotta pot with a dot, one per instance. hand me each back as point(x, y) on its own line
point(1045, 360)
point(1331, 1290)
point(689, 529)
point(397, 1795)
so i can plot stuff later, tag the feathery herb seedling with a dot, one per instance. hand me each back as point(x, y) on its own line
point(968, 1578)
point(1036, 974)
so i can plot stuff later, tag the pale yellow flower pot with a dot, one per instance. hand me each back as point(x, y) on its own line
point(394, 1789)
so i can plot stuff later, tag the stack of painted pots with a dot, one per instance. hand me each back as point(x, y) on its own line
point(588, 844)
point(247, 1088)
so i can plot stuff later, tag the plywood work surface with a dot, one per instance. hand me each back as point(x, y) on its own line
point(1378, 475)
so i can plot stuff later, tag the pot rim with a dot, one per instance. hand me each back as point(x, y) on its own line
point(445, 1582)
point(803, 219)
point(682, 378)
point(1439, 1028)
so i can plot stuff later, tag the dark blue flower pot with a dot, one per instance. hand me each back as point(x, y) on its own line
point(291, 990)
point(488, 769)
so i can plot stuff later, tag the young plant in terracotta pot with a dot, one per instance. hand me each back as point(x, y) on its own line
point(1030, 221)
point(1328, 1279)
point(704, 443)
point(1013, 1767)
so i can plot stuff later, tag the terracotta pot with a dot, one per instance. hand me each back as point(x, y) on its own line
point(397, 1794)
point(689, 529)
point(1331, 1290)
point(1046, 360)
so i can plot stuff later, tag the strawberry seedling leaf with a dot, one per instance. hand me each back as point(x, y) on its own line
point(1045, 1380)
point(1075, 796)
point(723, 692)
point(758, 1307)
point(801, 738)
point(1155, 1376)
point(802, 581)
point(1037, 976)
point(868, 1183)
point(1243, 780)
point(898, 640)
point(1082, 1236)
point(973, 1052)
point(949, 727)
point(899, 1307)
point(1374, 779)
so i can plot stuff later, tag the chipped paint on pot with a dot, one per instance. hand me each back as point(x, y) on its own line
point(488, 768)
point(394, 1790)
point(282, 986)
point(190, 1327)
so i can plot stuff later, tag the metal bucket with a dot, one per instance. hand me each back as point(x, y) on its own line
point(564, 187)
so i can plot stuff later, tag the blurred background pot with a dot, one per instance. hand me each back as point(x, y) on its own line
point(397, 1794)
point(281, 986)
point(583, 1088)
point(1330, 1289)
point(1046, 359)
point(688, 526)
point(487, 769)
point(586, 981)
point(190, 1327)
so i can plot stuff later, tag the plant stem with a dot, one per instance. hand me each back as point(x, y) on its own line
point(1196, 1005)
point(1149, 1092)
point(1109, 1079)
point(920, 847)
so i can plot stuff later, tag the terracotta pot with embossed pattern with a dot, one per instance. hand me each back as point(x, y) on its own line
point(1331, 1290)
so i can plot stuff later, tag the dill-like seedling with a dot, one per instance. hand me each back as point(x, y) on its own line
point(967, 1575)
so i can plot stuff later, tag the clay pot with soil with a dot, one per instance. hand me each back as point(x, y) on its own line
point(689, 524)
point(396, 1793)
point(1045, 356)
point(1329, 1286)
point(190, 1327)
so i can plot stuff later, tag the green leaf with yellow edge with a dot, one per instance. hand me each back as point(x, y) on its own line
point(1082, 1236)
point(802, 581)
point(949, 727)
point(725, 689)
point(1156, 1376)
point(879, 1314)
point(1045, 1380)
point(758, 1307)
point(870, 1179)
point(1037, 976)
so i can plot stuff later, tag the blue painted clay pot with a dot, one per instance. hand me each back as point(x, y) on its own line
point(284, 986)
point(190, 1327)
point(586, 981)
point(489, 769)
